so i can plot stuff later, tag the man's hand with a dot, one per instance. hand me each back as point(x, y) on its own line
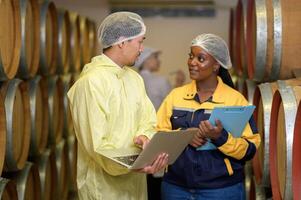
point(141, 141)
point(159, 164)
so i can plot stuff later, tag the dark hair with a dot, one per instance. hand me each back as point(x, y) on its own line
point(225, 76)
point(107, 48)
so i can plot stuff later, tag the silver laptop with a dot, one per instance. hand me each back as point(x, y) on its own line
point(172, 143)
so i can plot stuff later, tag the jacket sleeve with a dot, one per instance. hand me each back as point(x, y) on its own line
point(89, 110)
point(244, 147)
point(164, 114)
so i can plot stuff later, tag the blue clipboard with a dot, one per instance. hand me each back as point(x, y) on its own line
point(233, 118)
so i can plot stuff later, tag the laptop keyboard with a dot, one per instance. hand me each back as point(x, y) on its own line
point(129, 160)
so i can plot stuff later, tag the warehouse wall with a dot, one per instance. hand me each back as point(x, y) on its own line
point(173, 36)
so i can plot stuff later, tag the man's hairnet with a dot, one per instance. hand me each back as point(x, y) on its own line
point(146, 53)
point(119, 27)
point(216, 47)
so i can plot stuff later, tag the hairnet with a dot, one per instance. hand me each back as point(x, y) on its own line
point(146, 53)
point(216, 47)
point(119, 27)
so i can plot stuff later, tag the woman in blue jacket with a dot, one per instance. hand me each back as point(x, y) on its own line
point(212, 166)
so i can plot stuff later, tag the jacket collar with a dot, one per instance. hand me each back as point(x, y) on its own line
point(105, 61)
point(217, 96)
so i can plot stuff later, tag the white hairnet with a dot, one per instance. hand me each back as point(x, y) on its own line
point(146, 53)
point(216, 47)
point(119, 27)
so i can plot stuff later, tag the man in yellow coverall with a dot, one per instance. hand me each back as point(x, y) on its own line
point(110, 110)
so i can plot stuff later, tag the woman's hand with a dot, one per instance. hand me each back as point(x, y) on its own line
point(198, 140)
point(207, 130)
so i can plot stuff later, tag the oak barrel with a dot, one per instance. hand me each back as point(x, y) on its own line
point(62, 166)
point(39, 114)
point(273, 39)
point(93, 47)
point(56, 109)
point(283, 113)
point(8, 189)
point(240, 35)
point(68, 81)
point(17, 116)
point(28, 182)
point(48, 174)
point(63, 65)
point(30, 31)
point(84, 40)
point(49, 38)
point(75, 43)
point(72, 162)
point(296, 184)
point(10, 38)
point(2, 133)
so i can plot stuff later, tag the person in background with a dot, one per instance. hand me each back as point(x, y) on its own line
point(157, 87)
point(110, 110)
point(215, 172)
point(180, 78)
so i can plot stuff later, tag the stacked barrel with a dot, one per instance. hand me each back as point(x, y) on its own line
point(265, 46)
point(42, 50)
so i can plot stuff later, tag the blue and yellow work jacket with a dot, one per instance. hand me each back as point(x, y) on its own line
point(204, 169)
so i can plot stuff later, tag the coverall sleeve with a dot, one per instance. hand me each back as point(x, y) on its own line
point(89, 109)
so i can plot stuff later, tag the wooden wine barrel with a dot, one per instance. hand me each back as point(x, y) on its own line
point(253, 190)
point(239, 84)
point(240, 44)
point(10, 38)
point(2, 133)
point(61, 157)
point(63, 65)
point(75, 43)
point(72, 162)
point(56, 109)
point(284, 108)
point(27, 181)
point(256, 39)
point(273, 42)
point(249, 183)
point(84, 40)
point(248, 90)
point(8, 189)
point(30, 29)
point(93, 47)
point(49, 38)
point(232, 35)
point(68, 124)
point(48, 175)
point(17, 116)
point(39, 114)
point(296, 184)
point(263, 97)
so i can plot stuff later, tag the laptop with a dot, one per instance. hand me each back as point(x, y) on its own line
point(173, 143)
